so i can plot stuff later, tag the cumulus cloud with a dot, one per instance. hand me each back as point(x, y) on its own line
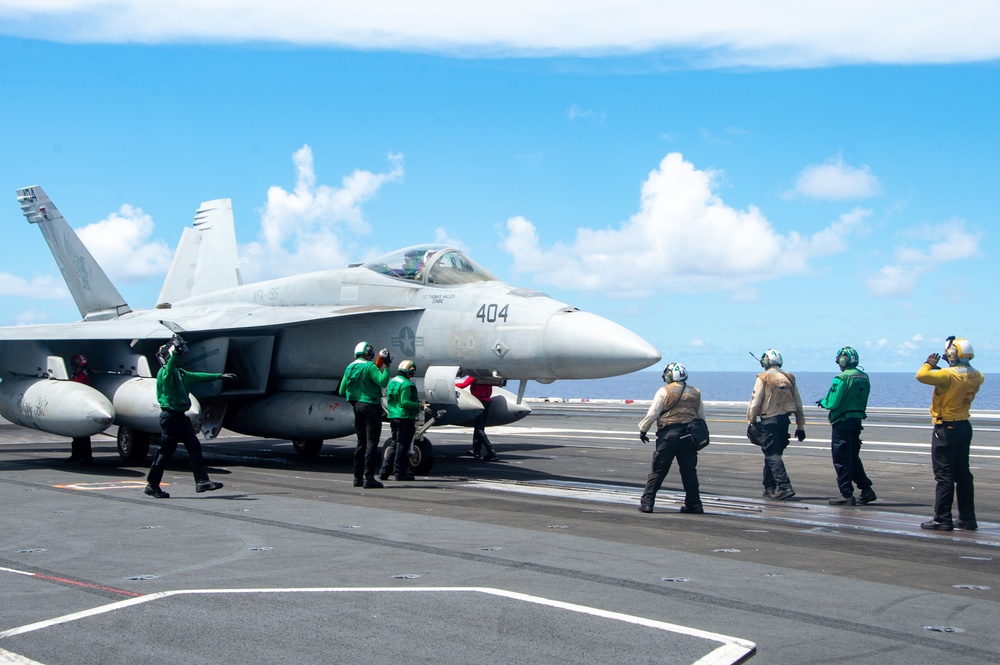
point(684, 238)
point(120, 244)
point(834, 181)
point(771, 33)
point(48, 287)
point(313, 227)
point(941, 244)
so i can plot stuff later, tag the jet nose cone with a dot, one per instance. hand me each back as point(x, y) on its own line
point(581, 345)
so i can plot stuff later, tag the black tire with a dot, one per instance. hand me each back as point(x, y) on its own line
point(133, 445)
point(422, 457)
point(308, 448)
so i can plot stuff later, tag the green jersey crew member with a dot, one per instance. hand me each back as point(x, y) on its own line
point(362, 386)
point(172, 394)
point(847, 401)
point(402, 407)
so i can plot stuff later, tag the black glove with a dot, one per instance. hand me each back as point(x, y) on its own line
point(386, 357)
point(228, 377)
point(643, 437)
point(819, 403)
point(933, 359)
point(800, 434)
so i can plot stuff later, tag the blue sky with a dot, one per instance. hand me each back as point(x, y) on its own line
point(802, 177)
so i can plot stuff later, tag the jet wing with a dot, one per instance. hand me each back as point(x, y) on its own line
point(217, 321)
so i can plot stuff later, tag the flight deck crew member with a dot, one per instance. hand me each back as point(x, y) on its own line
point(954, 389)
point(402, 407)
point(484, 393)
point(172, 394)
point(81, 453)
point(362, 386)
point(774, 397)
point(847, 401)
point(674, 406)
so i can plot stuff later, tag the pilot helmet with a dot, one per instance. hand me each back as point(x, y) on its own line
point(674, 372)
point(79, 361)
point(770, 358)
point(407, 368)
point(364, 350)
point(847, 358)
point(958, 350)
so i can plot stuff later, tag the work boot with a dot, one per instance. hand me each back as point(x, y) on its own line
point(473, 454)
point(843, 500)
point(697, 509)
point(489, 455)
point(405, 476)
point(966, 525)
point(358, 481)
point(372, 484)
point(934, 525)
point(207, 486)
point(384, 475)
point(867, 495)
point(768, 493)
point(781, 495)
point(155, 492)
point(646, 506)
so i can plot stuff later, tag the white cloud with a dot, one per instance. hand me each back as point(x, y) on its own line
point(48, 287)
point(781, 33)
point(833, 181)
point(313, 227)
point(943, 243)
point(684, 238)
point(120, 244)
point(575, 114)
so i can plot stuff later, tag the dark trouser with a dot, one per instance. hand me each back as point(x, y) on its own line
point(950, 445)
point(368, 427)
point(81, 450)
point(176, 427)
point(397, 455)
point(669, 445)
point(479, 438)
point(774, 440)
point(845, 444)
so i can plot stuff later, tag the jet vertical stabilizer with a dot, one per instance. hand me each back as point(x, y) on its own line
point(95, 295)
point(206, 259)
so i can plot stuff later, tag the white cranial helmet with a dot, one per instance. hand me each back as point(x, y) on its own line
point(674, 372)
point(770, 358)
point(958, 350)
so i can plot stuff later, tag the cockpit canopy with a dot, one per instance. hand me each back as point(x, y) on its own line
point(430, 264)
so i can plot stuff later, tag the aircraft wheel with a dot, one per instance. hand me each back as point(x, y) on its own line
point(422, 457)
point(385, 448)
point(133, 445)
point(307, 447)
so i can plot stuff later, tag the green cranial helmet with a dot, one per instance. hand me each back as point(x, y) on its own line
point(847, 358)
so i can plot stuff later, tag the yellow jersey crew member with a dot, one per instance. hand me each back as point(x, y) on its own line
point(954, 389)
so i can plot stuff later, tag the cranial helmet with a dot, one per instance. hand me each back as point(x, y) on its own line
point(79, 361)
point(847, 358)
point(770, 358)
point(407, 367)
point(674, 372)
point(958, 350)
point(364, 350)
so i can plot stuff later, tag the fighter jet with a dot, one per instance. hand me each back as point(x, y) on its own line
point(288, 340)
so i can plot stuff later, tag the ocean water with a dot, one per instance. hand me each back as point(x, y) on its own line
point(890, 389)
